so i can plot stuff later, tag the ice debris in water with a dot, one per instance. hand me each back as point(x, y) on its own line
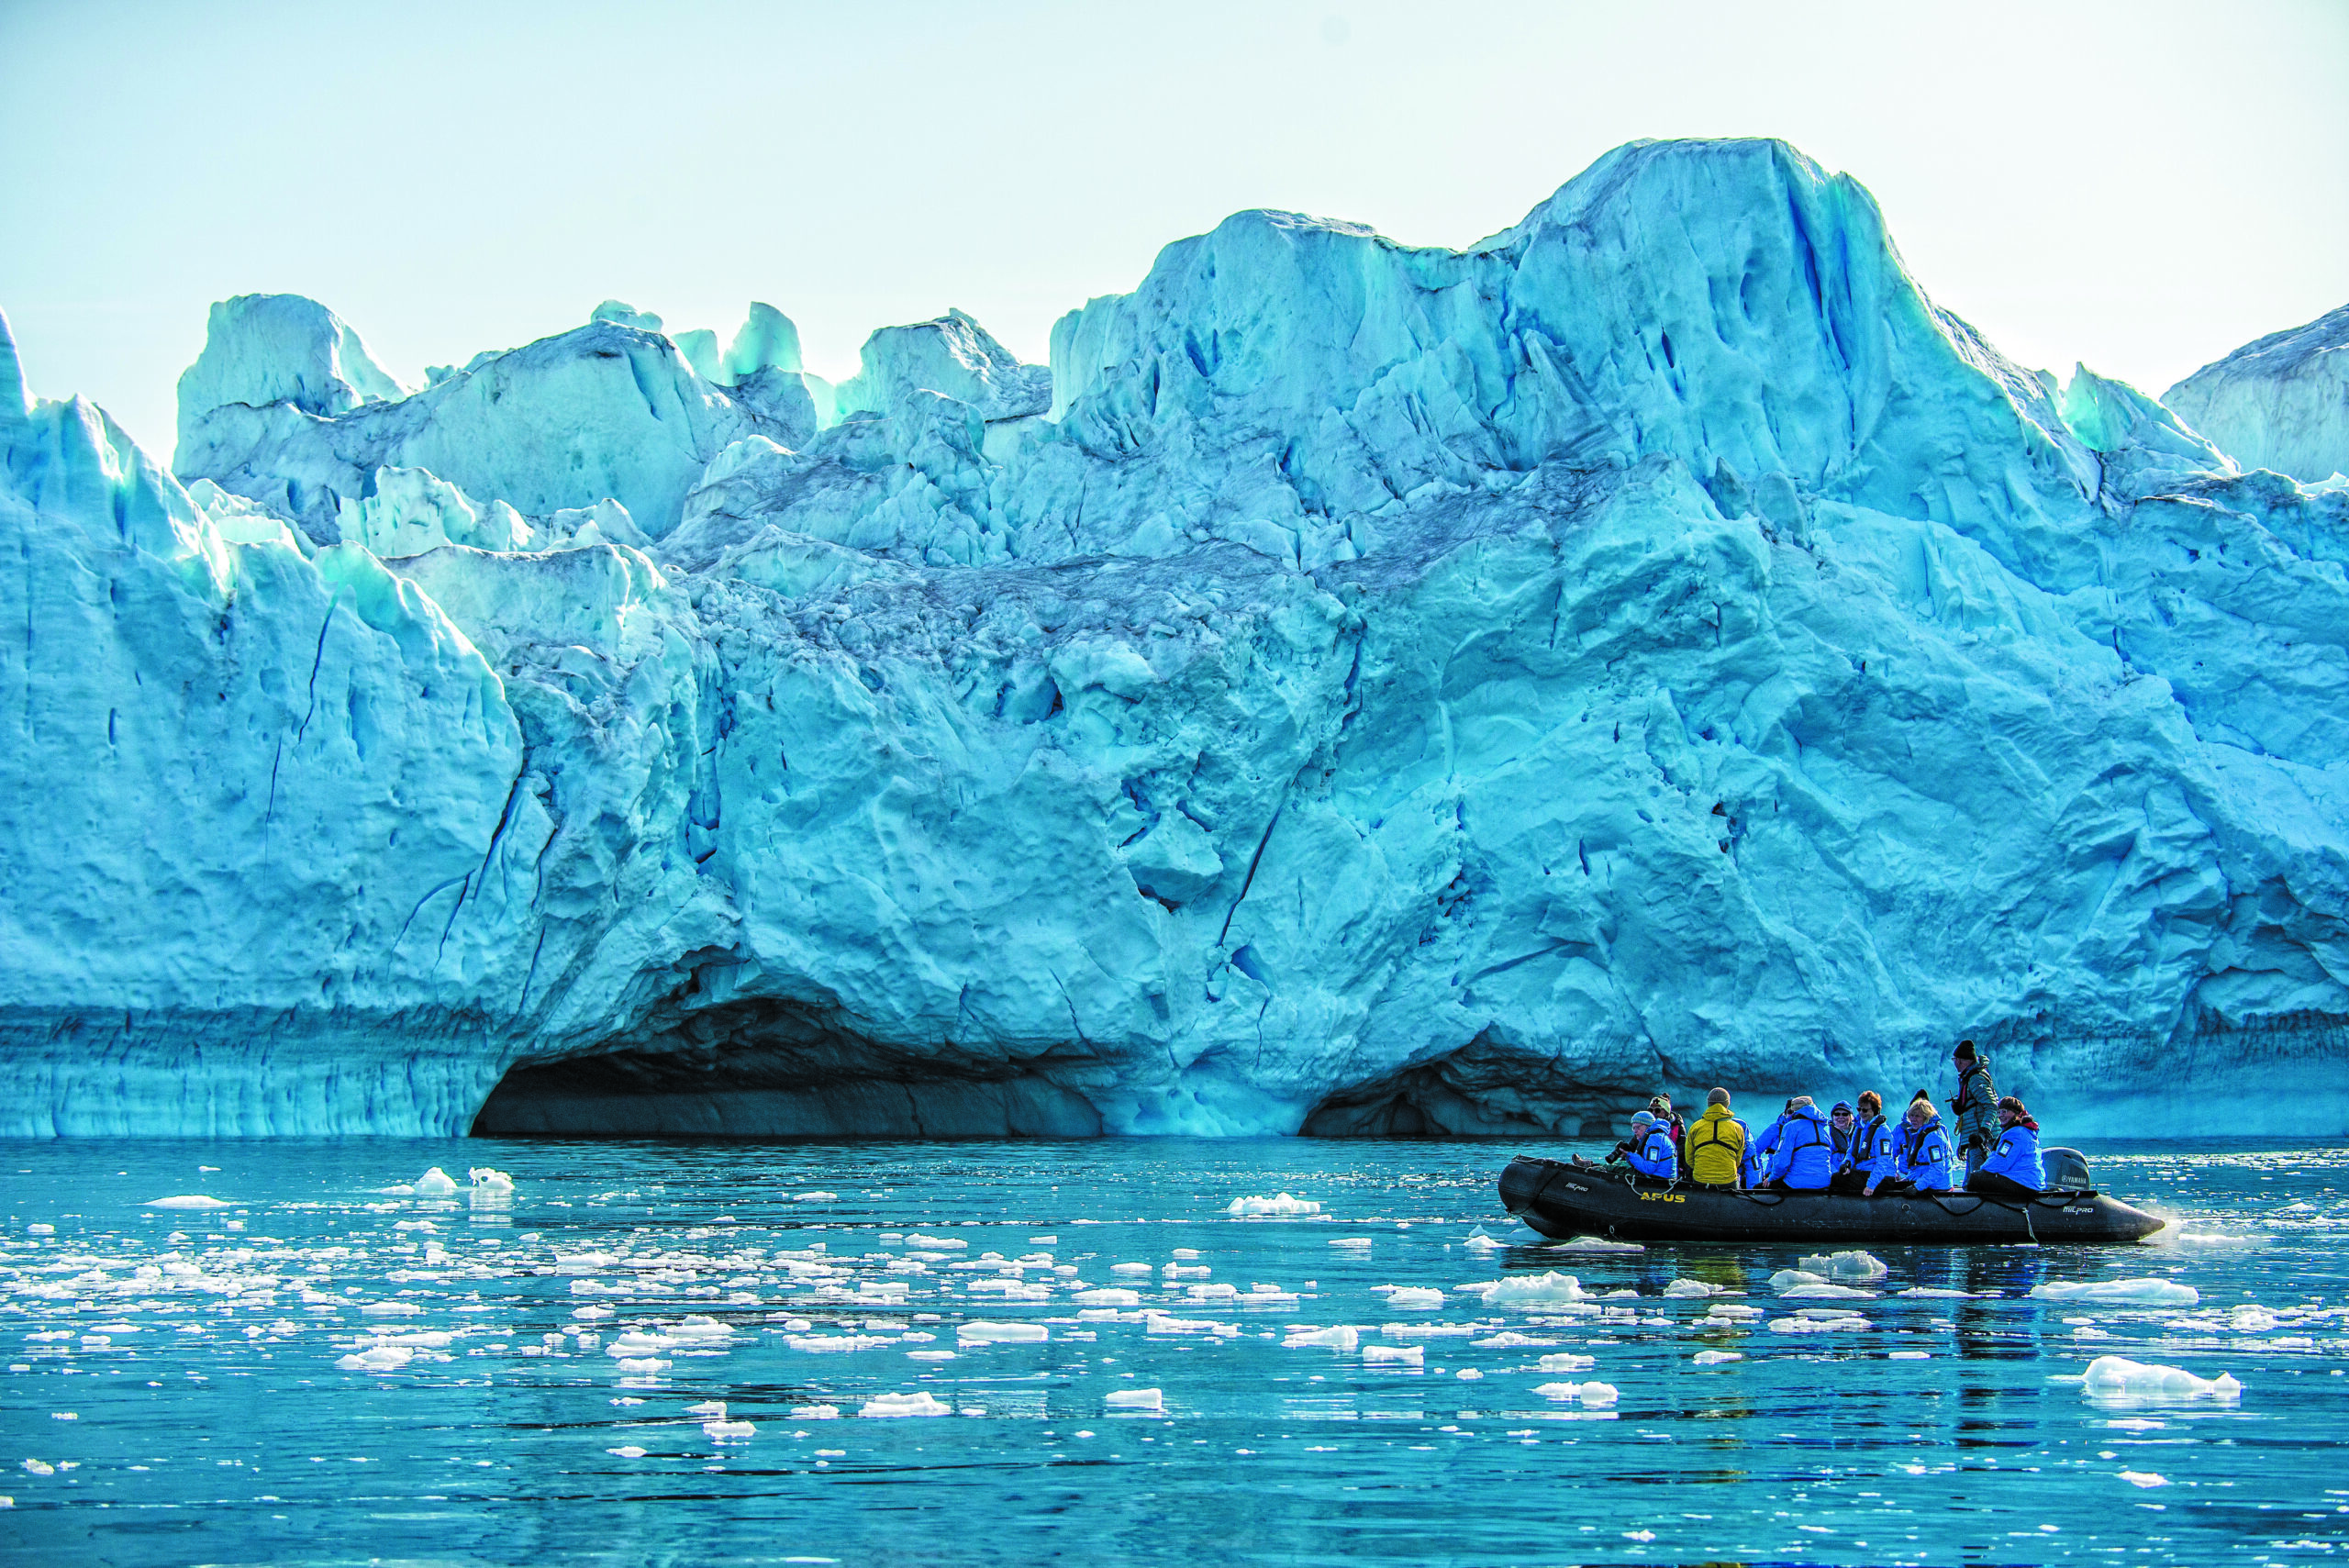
point(2120, 1379)
point(378, 1358)
point(1694, 1288)
point(1565, 1361)
point(1715, 1358)
point(486, 1180)
point(1586, 1392)
point(1407, 1355)
point(818, 1412)
point(1844, 1266)
point(1284, 1204)
point(2143, 1478)
point(1530, 1291)
point(1350, 1241)
point(2120, 1292)
point(1819, 1321)
point(1135, 1399)
point(728, 1431)
point(1593, 1244)
point(1001, 1333)
point(1413, 1297)
point(628, 1451)
point(918, 1403)
point(186, 1200)
point(1341, 1338)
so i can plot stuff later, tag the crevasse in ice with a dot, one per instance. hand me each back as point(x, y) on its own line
point(1355, 688)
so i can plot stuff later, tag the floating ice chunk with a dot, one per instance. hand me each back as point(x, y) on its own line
point(1565, 1361)
point(1135, 1399)
point(1531, 1291)
point(815, 1412)
point(1130, 1269)
point(1593, 1244)
point(1725, 1312)
point(1806, 1324)
point(1001, 1333)
point(1586, 1392)
point(713, 1408)
point(934, 1243)
point(1214, 1291)
point(186, 1200)
point(1907, 1355)
point(377, 1358)
point(629, 1452)
point(390, 1309)
point(1715, 1358)
point(1284, 1204)
point(1350, 1241)
point(1787, 1279)
point(930, 1355)
point(1509, 1342)
point(1415, 1298)
point(434, 1183)
point(1407, 1355)
point(1109, 1296)
point(1468, 1373)
point(37, 1229)
point(834, 1343)
point(2144, 1478)
point(2123, 1292)
point(40, 1467)
point(486, 1180)
point(918, 1403)
point(729, 1431)
point(2117, 1377)
point(584, 1262)
point(1693, 1289)
point(1166, 1323)
point(1925, 1293)
point(1480, 1242)
point(814, 1197)
point(640, 1366)
point(1340, 1337)
point(1845, 1265)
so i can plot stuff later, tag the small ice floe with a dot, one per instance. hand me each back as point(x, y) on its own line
point(1511, 1341)
point(1109, 1296)
point(434, 1183)
point(1530, 1292)
point(185, 1200)
point(1132, 1269)
point(2119, 1292)
point(930, 1355)
point(38, 1229)
point(1350, 1241)
point(815, 1412)
point(1184, 1254)
point(1820, 1320)
point(917, 1240)
point(2143, 1478)
point(1907, 1355)
point(728, 1431)
point(1694, 1289)
point(1478, 1241)
point(626, 1451)
point(1715, 1358)
point(1593, 1244)
point(1582, 1393)
point(1565, 1361)
point(991, 1333)
point(1935, 1293)
point(918, 1403)
point(1844, 1266)
point(377, 1358)
point(1411, 1297)
point(814, 1197)
point(390, 1309)
point(840, 1344)
point(1404, 1355)
point(1724, 1314)
point(1253, 1207)
point(715, 1409)
point(40, 1467)
point(2120, 1380)
point(1135, 1399)
point(486, 1180)
point(1468, 1373)
point(1157, 1322)
point(1341, 1338)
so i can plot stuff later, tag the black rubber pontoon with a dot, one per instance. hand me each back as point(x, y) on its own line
point(1563, 1200)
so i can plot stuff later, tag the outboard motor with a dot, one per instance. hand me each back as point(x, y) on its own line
point(2064, 1169)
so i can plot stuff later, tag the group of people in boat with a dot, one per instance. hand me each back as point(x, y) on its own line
point(1854, 1148)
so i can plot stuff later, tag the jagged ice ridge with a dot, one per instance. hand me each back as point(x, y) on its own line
point(1355, 688)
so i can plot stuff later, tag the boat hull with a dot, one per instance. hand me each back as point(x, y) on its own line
point(1563, 1200)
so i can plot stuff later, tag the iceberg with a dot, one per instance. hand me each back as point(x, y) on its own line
point(2281, 402)
point(1353, 689)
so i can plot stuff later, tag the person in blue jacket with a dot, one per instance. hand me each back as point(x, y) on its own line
point(2013, 1169)
point(1922, 1154)
point(1651, 1155)
point(1872, 1159)
point(1761, 1145)
point(1804, 1160)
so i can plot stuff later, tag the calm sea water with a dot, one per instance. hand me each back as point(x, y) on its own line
point(325, 1372)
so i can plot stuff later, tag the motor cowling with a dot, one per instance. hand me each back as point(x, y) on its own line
point(2064, 1169)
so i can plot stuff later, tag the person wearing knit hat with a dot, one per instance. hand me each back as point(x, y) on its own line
point(1661, 1106)
point(2012, 1170)
point(1976, 1128)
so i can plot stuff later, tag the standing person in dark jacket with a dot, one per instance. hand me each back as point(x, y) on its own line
point(2013, 1169)
point(1976, 1107)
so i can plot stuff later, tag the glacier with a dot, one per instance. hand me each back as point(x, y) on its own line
point(2281, 402)
point(1352, 689)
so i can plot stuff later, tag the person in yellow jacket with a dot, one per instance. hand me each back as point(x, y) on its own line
point(1716, 1144)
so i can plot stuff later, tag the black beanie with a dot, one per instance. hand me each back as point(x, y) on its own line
point(1966, 1049)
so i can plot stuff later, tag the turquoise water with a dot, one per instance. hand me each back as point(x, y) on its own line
point(183, 1385)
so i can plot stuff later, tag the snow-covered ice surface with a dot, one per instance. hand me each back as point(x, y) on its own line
point(613, 1361)
point(1353, 687)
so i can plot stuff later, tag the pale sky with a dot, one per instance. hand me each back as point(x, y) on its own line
point(2143, 187)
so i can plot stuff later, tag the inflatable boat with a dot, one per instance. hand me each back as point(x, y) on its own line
point(1569, 1198)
